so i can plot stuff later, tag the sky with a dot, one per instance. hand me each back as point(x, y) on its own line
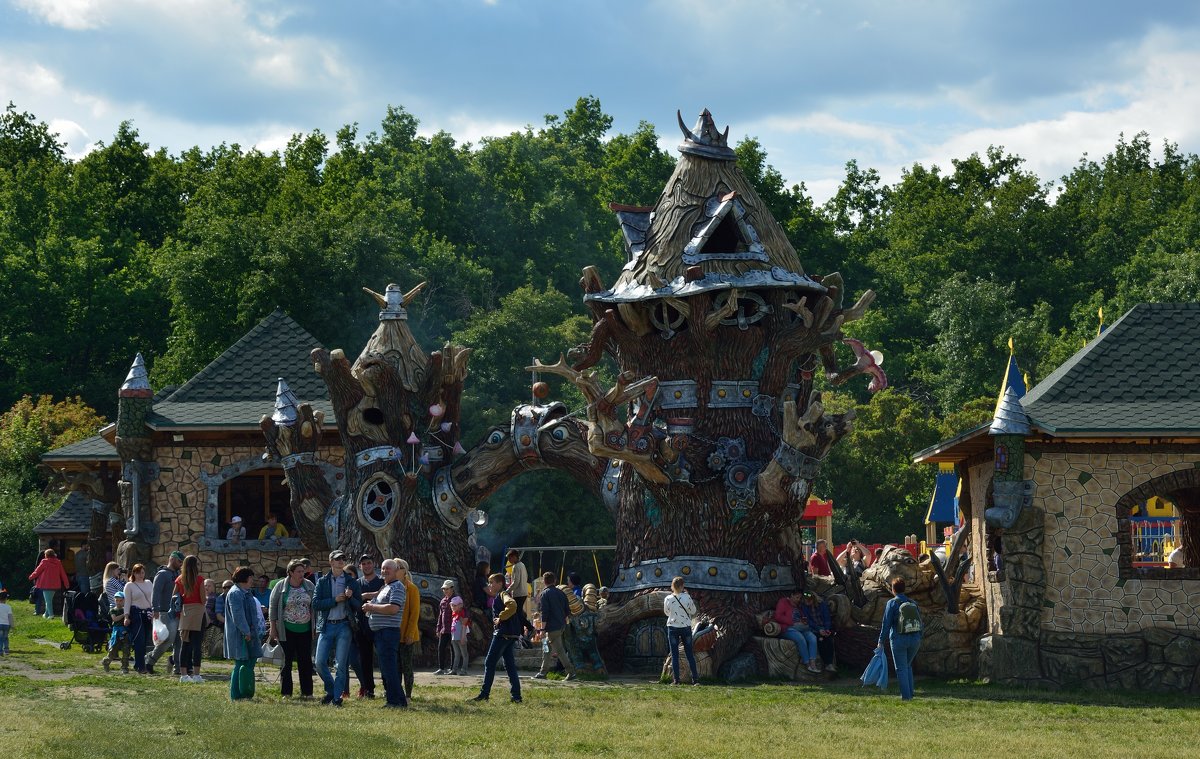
point(887, 84)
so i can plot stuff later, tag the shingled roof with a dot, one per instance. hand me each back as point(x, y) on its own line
point(73, 516)
point(1137, 378)
point(238, 386)
point(94, 448)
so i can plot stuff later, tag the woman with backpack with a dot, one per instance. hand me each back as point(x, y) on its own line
point(902, 626)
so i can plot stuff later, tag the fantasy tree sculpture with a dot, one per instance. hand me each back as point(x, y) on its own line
point(410, 487)
point(717, 333)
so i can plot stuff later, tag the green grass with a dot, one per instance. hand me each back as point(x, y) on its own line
point(95, 715)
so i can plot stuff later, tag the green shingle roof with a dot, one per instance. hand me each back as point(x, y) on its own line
point(74, 515)
point(1136, 377)
point(238, 387)
point(94, 448)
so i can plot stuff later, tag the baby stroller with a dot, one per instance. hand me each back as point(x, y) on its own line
point(89, 628)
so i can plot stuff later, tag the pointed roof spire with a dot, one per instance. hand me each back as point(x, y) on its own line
point(704, 140)
point(1012, 377)
point(137, 383)
point(1010, 418)
point(286, 405)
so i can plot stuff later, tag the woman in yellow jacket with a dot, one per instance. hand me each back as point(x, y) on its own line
point(410, 633)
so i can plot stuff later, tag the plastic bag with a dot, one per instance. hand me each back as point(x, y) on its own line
point(160, 632)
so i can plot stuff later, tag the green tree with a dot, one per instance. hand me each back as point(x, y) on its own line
point(31, 428)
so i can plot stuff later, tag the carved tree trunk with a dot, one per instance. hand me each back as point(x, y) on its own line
point(408, 484)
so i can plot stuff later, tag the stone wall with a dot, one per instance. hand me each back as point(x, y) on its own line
point(178, 499)
point(1084, 588)
point(1097, 625)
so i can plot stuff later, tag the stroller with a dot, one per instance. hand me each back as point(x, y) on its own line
point(89, 627)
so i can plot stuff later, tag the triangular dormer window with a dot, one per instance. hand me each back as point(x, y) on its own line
point(724, 234)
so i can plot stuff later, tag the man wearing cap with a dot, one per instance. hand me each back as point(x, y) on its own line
point(336, 598)
point(363, 660)
point(237, 531)
point(160, 603)
point(445, 617)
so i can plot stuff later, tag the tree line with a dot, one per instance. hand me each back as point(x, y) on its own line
point(131, 248)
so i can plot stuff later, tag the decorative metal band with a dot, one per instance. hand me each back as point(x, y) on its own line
point(378, 453)
point(332, 520)
point(704, 572)
point(610, 486)
point(523, 432)
point(677, 394)
point(434, 454)
point(450, 507)
point(732, 394)
point(791, 393)
point(430, 586)
point(796, 463)
point(293, 460)
point(697, 258)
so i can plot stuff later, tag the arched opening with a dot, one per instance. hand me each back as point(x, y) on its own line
point(1158, 521)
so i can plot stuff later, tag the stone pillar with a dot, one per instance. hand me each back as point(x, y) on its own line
point(135, 447)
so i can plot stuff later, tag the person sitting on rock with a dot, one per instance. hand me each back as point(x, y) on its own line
point(790, 618)
point(820, 621)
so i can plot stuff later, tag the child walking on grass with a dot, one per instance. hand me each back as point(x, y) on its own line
point(460, 627)
point(6, 622)
point(118, 639)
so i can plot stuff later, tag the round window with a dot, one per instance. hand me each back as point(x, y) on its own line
point(380, 496)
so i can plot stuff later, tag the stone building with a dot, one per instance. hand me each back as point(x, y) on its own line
point(1052, 490)
point(198, 453)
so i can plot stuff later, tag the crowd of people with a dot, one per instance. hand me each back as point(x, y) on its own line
point(352, 617)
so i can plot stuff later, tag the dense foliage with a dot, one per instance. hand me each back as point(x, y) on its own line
point(131, 248)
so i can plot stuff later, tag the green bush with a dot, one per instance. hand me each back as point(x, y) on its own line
point(19, 514)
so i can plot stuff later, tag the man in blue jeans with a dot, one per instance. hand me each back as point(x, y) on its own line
point(902, 626)
point(384, 615)
point(507, 629)
point(336, 598)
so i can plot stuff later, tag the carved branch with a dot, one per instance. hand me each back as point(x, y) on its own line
point(729, 309)
point(311, 496)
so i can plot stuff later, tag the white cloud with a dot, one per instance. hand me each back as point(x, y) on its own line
point(466, 128)
point(829, 126)
point(1162, 98)
point(74, 137)
point(76, 15)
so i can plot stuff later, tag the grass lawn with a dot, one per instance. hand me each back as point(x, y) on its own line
point(58, 703)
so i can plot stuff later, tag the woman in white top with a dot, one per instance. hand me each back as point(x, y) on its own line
point(680, 610)
point(139, 593)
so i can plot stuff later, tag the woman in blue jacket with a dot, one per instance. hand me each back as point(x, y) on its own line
point(902, 626)
point(243, 625)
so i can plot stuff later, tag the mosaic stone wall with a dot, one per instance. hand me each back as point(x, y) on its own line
point(178, 499)
point(1084, 589)
point(1077, 617)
